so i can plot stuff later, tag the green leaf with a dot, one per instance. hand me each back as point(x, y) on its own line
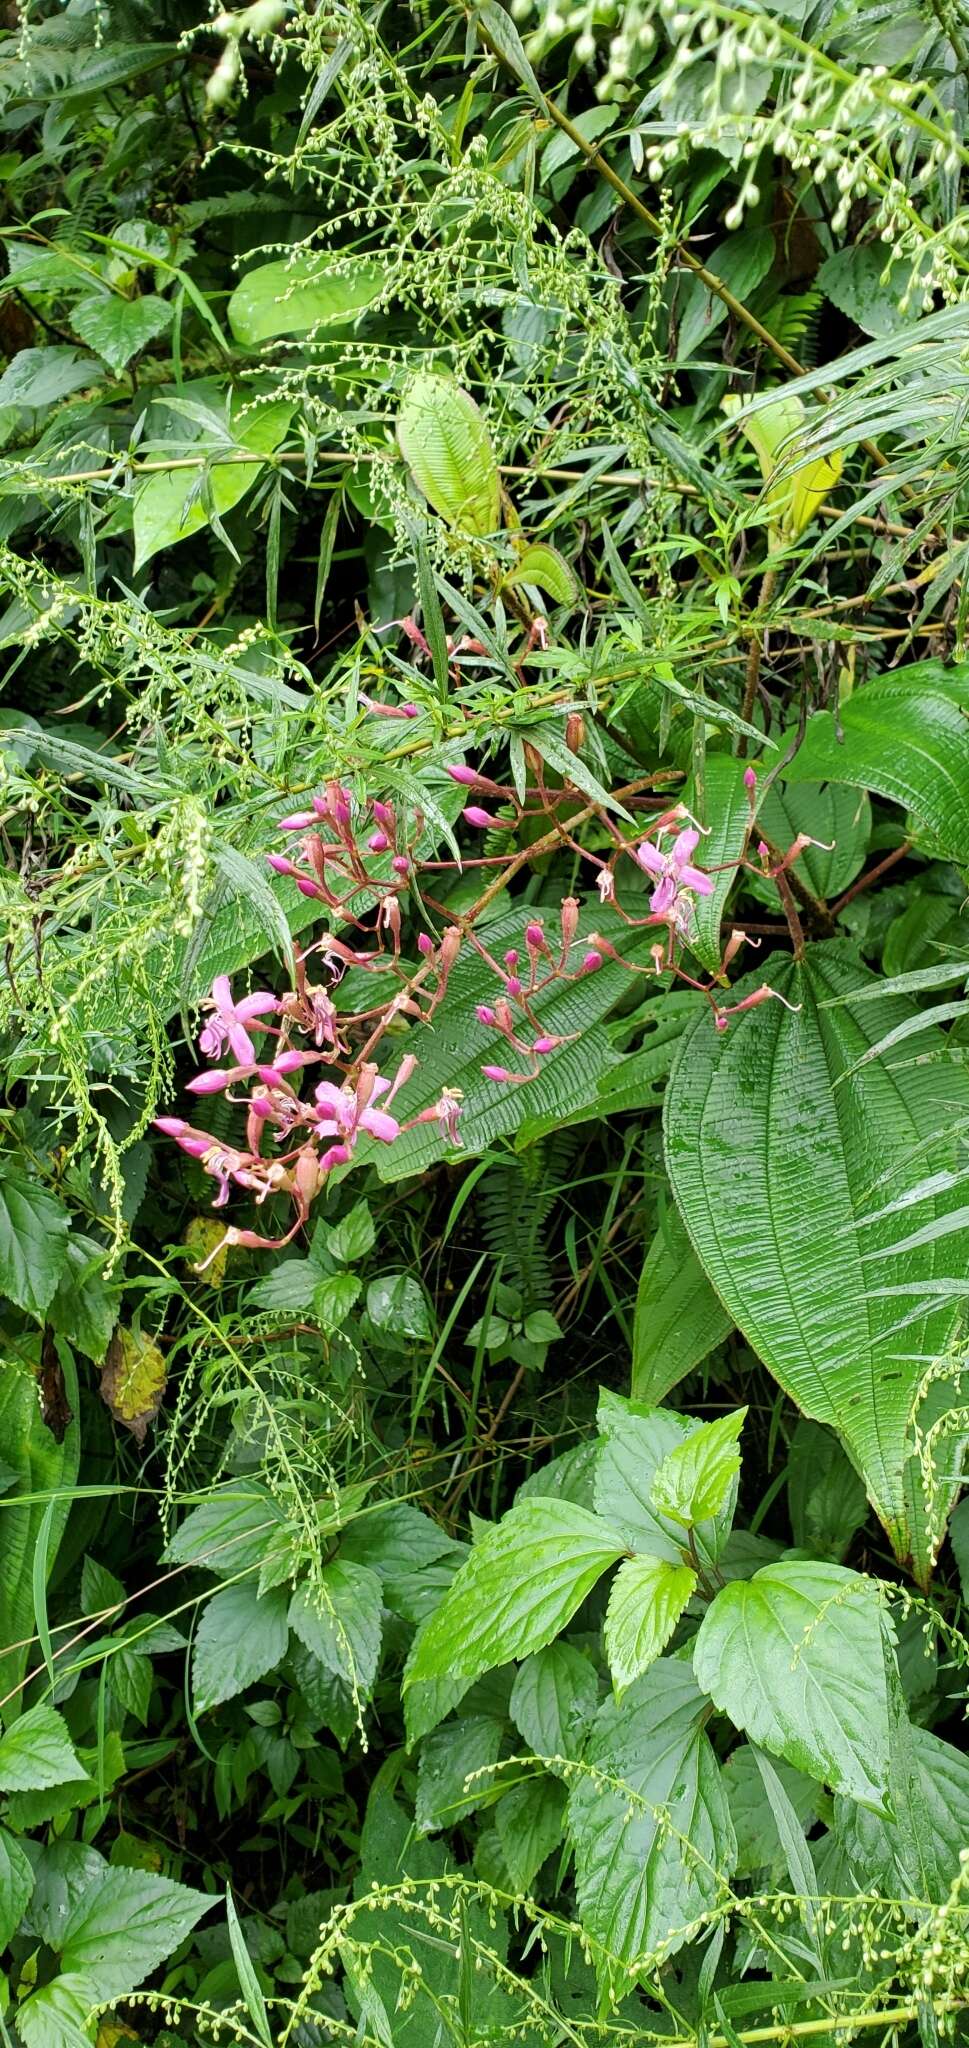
point(312, 289)
point(959, 1538)
point(40, 1467)
point(530, 1819)
point(38, 377)
point(678, 1320)
point(759, 1845)
point(637, 1440)
point(694, 1480)
point(249, 1982)
point(340, 1620)
point(56, 2016)
point(84, 1306)
point(117, 328)
point(647, 1598)
point(903, 735)
point(553, 1702)
point(445, 443)
point(522, 1582)
point(774, 1167)
point(795, 1657)
point(353, 1237)
point(123, 1927)
point(726, 811)
point(838, 816)
point(741, 263)
point(33, 1242)
point(454, 1772)
point(37, 1751)
point(867, 282)
point(876, 1844)
point(649, 1820)
point(240, 1638)
point(229, 1533)
point(825, 1495)
point(16, 1885)
point(544, 567)
point(170, 506)
point(333, 1298)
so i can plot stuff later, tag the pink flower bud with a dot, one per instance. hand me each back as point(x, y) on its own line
point(534, 937)
point(338, 1155)
point(466, 776)
point(400, 864)
point(378, 842)
point(591, 961)
point(496, 1073)
point(307, 888)
point(280, 865)
point(484, 1013)
point(545, 1045)
point(213, 1082)
point(298, 821)
point(513, 986)
point(410, 710)
point(721, 1021)
point(474, 815)
point(750, 780)
point(383, 814)
point(511, 957)
point(424, 944)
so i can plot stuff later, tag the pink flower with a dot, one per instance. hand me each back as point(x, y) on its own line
point(227, 1024)
point(342, 1112)
point(673, 872)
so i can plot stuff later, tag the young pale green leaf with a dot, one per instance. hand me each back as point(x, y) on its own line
point(772, 1164)
point(544, 567)
point(530, 1820)
point(340, 1620)
point(520, 1586)
point(313, 289)
point(16, 1885)
point(795, 483)
point(36, 1751)
point(678, 1318)
point(694, 1480)
point(446, 445)
point(33, 1242)
point(647, 1598)
point(903, 735)
point(637, 1439)
point(795, 1656)
point(649, 1819)
point(239, 1638)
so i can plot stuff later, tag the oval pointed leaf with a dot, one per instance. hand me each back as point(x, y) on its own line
point(522, 1582)
point(795, 1656)
point(312, 290)
point(445, 443)
point(774, 1164)
point(647, 1599)
point(649, 1819)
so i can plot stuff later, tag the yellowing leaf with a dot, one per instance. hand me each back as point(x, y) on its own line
point(445, 443)
point(201, 1238)
point(794, 491)
point(133, 1380)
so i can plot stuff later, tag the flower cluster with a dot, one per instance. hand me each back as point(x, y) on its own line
point(357, 861)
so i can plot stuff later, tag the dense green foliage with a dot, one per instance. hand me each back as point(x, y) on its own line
point(484, 521)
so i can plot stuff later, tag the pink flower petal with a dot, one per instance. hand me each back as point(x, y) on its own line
point(380, 1125)
point(650, 858)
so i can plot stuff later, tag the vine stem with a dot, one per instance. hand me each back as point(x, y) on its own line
point(805, 2030)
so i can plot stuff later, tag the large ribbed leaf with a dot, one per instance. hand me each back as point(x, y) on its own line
point(903, 735)
point(445, 443)
point(784, 1166)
